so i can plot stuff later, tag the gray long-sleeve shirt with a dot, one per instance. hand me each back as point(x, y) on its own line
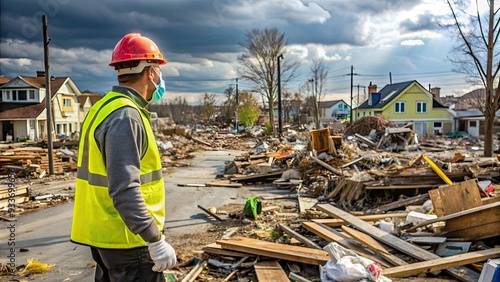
point(122, 139)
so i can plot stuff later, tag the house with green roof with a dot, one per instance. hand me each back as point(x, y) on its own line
point(406, 102)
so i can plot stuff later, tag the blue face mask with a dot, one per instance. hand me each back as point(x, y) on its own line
point(160, 89)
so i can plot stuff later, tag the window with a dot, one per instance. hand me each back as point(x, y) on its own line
point(473, 123)
point(370, 113)
point(340, 106)
point(358, 114)
point(32, 94)
point(400, 107)
point(421, 107)
point(7, 95)
point(67, 102)
point(437, 124)
point(22, 95)
point(345, 107)
point(364, 114)
point(438, 127)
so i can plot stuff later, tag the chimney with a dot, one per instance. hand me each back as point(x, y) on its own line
point(373, 96)
point(40, 73)
point(436, 93)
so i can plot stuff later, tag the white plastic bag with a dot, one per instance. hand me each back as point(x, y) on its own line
point(346, 266)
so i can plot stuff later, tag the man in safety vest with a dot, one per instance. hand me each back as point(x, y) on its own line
point(120, 198)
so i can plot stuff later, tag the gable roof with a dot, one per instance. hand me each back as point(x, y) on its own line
point(4, 80)
point(22, 110)
point(94, 97)
point(391, 91)
point(329, 104)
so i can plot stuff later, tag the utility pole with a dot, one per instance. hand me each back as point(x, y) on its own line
point(280, 124)
point(48, 94)
point(237, 104)
point(352, 74)
point(390, 78)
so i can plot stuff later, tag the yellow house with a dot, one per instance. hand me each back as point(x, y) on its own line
point(406, 102)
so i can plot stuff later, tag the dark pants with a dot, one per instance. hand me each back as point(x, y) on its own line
point(125, 265)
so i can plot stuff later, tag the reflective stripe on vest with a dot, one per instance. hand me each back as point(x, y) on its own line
point(95, 220)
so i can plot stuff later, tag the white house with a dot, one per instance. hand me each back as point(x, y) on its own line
point(23, 108)
point(333, 110)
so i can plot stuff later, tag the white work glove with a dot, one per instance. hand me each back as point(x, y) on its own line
point(162, 254)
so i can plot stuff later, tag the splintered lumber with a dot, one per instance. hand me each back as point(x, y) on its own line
point(401, 203)
point(257, 177)
point(456, 197)
point(370, 217)
point(472, 224)
point(348, 191)
point(193, 274)
point(298, 236)
point(211, 213)
point(440, 263)
point(274, 250)
point(224, 184)
point(201, 142)
point(332, 235)
point(270, 271)
point(327, 166)
point(461, 273)
point(373, 245)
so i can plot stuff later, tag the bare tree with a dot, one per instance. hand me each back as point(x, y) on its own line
point(207, 107)
point(229, 105)
point(319, 73)
point(477, 57)
point(259, 64)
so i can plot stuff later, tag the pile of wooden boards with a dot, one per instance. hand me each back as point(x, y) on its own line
point(409, 249)
point(14, 195)
point(33, 161)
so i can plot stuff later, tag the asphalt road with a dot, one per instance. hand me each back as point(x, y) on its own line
point(45, 233)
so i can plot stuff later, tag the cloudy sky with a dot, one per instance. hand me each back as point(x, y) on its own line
point(200, 39)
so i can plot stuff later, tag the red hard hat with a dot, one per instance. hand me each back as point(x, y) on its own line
point(134, 46)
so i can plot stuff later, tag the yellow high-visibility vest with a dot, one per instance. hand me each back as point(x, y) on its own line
point(96, 222)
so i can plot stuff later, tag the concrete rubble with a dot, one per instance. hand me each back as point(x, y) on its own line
point(422, 208)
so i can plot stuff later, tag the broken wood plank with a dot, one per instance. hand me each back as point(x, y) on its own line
point(490, 200)
point(270, 271)
point(211, 213)
point(332, 235)
point(457, 197)
point(426, 240)
point(274, 250)
point(298, 236)
point(401, 203)
point(461, 273)
point(395, 187)
point(193, 274)
point(369, 217)
point(327, 166)
point(440, 263)
point(235, 267)
point(201, 141)
point(224, 184)
point(257, 177)
point(455, 215)
point(374, 246)
point(297, 278)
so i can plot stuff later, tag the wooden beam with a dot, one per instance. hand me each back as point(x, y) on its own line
point(270, 271)
point(332, 235)
point(369, 217)
point(461, 273)
point(454, 215)
point(193, 274)
point(298, 236)
point(274, 250)
point(374, 246)
point(440, 264)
